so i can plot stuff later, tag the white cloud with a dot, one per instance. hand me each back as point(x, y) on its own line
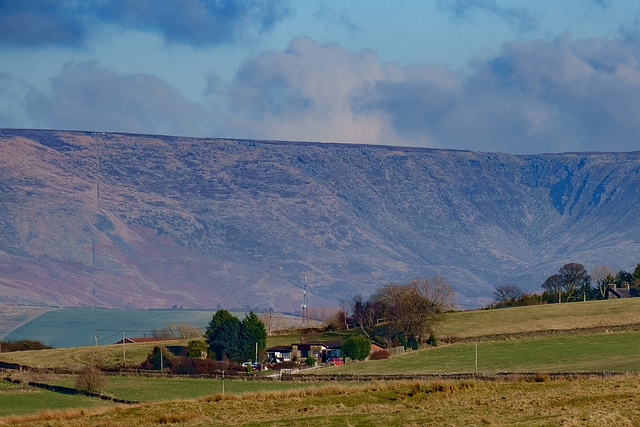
point(534, 96)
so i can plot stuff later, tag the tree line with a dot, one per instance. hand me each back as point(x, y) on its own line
point(399, 314)
point(572, 283)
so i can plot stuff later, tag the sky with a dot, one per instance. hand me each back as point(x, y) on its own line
point(519, 77)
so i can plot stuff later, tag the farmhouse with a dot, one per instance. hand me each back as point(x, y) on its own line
point(320, 351)
point(279, 353)
point(619, 292)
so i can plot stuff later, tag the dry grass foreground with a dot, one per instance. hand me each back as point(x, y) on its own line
point(585, 402)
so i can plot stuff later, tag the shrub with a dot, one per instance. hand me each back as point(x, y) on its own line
point(432, 340)
point(159, 358)
point(22, 345)
point(379, 355)
point(357, 347)
point(183, 366)
point(206, 366)
point(310, 361)
point(197, 348)
point(91, 378)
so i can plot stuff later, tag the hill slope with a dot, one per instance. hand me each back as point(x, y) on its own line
point(137, 221)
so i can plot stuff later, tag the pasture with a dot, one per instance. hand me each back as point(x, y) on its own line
point(20, 399)
point(75, 358)
point(589, 402)
point(613, 352)
point(576, 316)
point(77, 327)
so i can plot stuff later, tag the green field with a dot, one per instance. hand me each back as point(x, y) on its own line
point(531, 319)
point(19, 399)
point(76, 358)
point(617, 352)
point(153, 389)
point(76, 327)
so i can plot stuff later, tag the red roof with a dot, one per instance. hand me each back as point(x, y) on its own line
point(145, 339)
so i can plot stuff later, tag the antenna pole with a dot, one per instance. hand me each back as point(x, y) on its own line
point(303, 312)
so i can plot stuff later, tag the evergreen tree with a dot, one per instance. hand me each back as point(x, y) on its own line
point(357, 347)
point(636, 275)
point(223, 336)
point(253, 331)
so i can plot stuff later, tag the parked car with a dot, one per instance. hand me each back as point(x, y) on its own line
point(254, 366)
point(335, 361)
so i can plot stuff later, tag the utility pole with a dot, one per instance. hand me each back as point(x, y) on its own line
point(256, 359)
point(124, 355)
point(304, 303)
point(95, 336)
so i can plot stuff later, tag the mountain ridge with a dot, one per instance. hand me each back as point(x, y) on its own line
point(147, 221)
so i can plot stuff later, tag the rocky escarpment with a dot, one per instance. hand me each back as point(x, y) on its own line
point(138, 221)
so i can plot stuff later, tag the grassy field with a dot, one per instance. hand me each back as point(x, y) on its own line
point(619, 352)
point(154, 389)
point(582, 402)
point(19, 399)
point(461, 325)
point(585, 402)
point(531, 319)
point(288, 339)
point(76, 358)
point(75, 327)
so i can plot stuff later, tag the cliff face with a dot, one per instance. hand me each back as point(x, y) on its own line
point(136, 221)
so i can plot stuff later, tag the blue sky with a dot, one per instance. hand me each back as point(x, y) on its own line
point(486, 75)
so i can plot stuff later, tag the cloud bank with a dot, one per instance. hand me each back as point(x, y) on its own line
point(36, 23)
point(534, 96)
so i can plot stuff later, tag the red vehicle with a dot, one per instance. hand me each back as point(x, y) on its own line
point(335, 361)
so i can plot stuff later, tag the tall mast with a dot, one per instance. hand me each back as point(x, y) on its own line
point(303, 312)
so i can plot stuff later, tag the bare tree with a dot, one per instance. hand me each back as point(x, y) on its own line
point(506, 293)
point(413, 308)
point(180, 330)
point(90, 378)
point(604, 277)
point(365, 313)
